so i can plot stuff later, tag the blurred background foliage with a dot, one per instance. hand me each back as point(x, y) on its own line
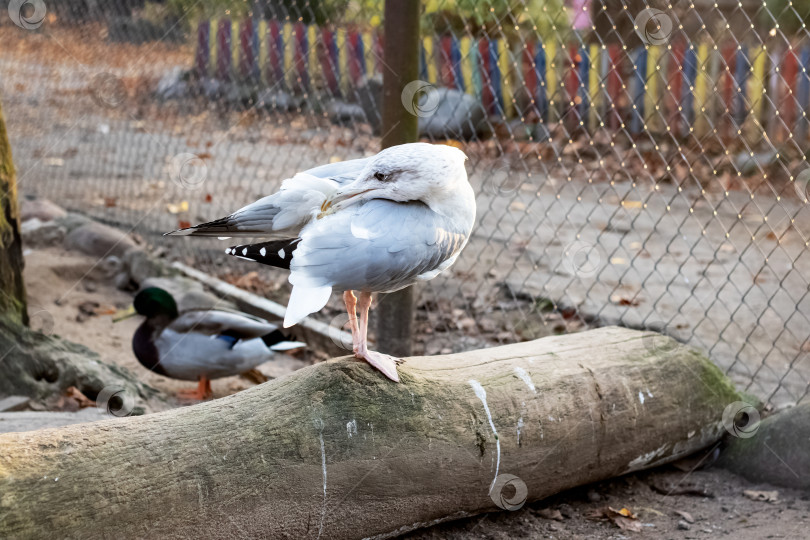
point(787, 16)
point(477, 17)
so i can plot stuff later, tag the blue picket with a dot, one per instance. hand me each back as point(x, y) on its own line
point(742, 69)
point(495, 77)
point(639, 82)
point(688, 89)
point(455, 58)
point(203, 53)
point(582, 91)
point(541, 97)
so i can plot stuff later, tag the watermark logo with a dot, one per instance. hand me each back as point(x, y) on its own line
point(420, 98)
point(653, 26)
point(340, 332)
point(115, 401)
point(509, 492)
point(27, 14)
point(582, 258)
point(188, 170)
point(741, 419)
point(662, 338)
point(40, 320)
point(501, 182)
point(108, 90)
point(802, 185)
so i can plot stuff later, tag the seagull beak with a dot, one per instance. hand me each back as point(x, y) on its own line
point(344, 197)
point(124, 314)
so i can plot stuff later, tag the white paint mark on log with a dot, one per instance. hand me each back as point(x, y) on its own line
point(351, 428)
point(482, 395)
point(641, 397)
point(649, 394)
point(521, 373)
point(519, 427)
point(323, 467)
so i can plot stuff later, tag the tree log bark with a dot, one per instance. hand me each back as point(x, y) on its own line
point(337, 451)
point(42, 367)
point(12, 290)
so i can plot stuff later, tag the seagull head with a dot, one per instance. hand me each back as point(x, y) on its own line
point(430, 173)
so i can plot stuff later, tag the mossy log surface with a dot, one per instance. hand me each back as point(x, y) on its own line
point(336, 450)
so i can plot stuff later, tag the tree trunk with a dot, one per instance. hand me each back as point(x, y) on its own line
point(12, 290)
point(337, 451)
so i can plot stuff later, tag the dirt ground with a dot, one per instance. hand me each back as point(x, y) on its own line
point(723, 512)
point(65, 288)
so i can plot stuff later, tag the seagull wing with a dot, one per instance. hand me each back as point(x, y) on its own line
point(215, 322)
point(286, 212)
point(377, 246)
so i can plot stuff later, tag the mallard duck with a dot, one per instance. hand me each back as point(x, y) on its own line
point(377, 224)
point(200, 344)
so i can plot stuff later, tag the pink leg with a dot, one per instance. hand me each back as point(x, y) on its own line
point(351, 303)
point(386, 364)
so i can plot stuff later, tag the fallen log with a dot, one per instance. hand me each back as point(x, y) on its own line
point(337, 451)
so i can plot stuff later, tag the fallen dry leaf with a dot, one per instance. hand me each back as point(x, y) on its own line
point(764, 496)
point(549, 513)
point(83, 401)
point(623, 519)
point(255, 376)
point(686, 516)
point(667, 488)
point(70, 401)
point(182, 206)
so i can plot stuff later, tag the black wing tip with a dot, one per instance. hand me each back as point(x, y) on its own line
point(278, 253)
point(218, 227)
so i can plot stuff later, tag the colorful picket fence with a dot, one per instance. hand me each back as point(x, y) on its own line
point(679, 88)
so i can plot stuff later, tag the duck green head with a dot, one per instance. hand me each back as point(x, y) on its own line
point(154, 301)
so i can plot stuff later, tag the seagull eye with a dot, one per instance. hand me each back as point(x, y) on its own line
point(381, 176)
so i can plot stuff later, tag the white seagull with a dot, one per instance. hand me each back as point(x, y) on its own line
point(377, 224)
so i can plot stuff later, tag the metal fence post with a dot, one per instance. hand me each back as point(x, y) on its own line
point(400, 66)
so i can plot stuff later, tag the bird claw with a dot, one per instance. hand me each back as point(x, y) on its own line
point(383, 362)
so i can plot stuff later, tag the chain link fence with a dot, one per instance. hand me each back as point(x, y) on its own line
point(634, 163)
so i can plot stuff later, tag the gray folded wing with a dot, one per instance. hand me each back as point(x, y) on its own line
point(216, 322)
point(377, 246)
point(282, 214)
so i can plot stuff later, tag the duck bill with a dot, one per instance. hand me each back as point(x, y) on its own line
point(124, 314)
